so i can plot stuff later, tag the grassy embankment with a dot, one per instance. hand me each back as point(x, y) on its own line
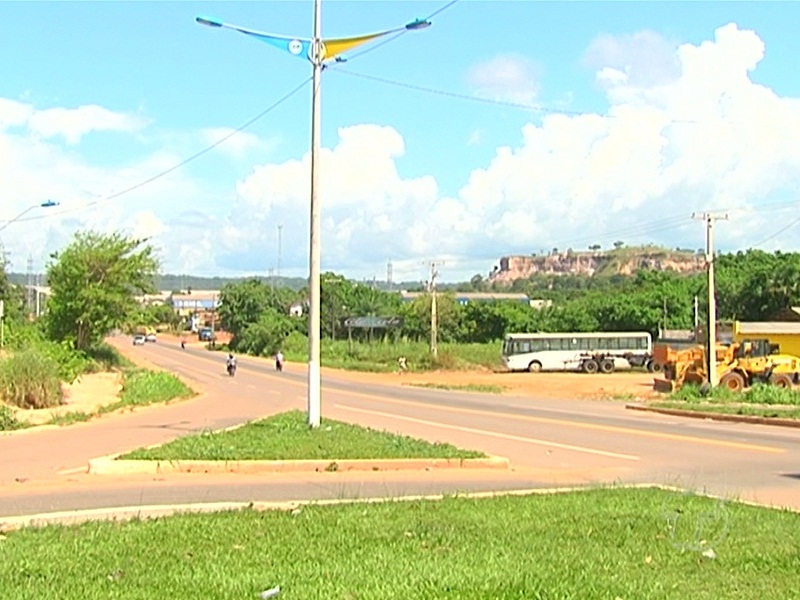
point(287, 436)
point(594, 544)
point(31, 378)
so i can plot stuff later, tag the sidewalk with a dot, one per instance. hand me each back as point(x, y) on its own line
point(41, 453)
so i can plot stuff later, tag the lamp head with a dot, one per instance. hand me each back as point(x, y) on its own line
point(49, 203)
point(418, 24)
point(208, 21)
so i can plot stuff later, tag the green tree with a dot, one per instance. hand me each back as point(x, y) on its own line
point(94, 282)
point(265, 337)
point(242, 304)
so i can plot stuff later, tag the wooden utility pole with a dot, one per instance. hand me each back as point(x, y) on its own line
point(709, 218)
point(434, 310)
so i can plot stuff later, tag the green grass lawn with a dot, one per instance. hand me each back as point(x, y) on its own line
point(381, 356)
point(598, 544)
point(287, 436)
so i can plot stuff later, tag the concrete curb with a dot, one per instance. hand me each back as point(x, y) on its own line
point(108, 465)
point(128, 513)
point(695, 414)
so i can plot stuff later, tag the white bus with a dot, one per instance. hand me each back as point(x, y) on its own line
point(589, 352)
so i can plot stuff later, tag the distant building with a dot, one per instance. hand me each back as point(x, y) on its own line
point(467, 297)
point(199, 301)
point(297, 308)
point(158, 299)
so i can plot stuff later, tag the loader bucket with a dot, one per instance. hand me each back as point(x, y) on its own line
point(665, 386)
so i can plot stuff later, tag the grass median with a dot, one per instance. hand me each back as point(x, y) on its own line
point(595, 544)
point(760, 400)
point(287, 436)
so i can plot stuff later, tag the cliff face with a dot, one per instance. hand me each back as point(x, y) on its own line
point(625, 262)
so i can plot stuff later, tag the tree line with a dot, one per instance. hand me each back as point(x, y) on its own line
point(751, 285)
point(95, 279)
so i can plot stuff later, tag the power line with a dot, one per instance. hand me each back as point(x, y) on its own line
point(180, 164)
point(448, 94)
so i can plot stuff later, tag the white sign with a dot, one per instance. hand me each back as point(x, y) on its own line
point(2, 308)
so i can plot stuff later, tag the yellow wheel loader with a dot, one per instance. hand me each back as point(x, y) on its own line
point(739, 366)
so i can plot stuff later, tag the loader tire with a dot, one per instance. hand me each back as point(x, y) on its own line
point(781, 380)
point(733, 381)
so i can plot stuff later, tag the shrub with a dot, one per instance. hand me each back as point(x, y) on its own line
point(8, 421)
point(29, 379)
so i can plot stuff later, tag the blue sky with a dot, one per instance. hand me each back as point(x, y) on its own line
point(598, 121)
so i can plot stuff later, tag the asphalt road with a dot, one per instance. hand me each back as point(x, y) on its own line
point(550, 443)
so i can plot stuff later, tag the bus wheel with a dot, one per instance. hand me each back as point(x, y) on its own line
point(606, 366)
point(535, 367)
point(590, 366)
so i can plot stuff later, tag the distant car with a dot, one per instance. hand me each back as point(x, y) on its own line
point(138, 340)
point(150, 337)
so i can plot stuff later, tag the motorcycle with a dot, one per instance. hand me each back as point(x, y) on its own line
point(231, 369)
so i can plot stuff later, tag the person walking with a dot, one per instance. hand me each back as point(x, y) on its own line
point(279, 361)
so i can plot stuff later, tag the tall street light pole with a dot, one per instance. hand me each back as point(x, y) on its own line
point(319, 52)
point(314, 286)
point(46, 204)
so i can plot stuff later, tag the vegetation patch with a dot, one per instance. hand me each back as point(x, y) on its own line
point(381, 356)
point(8, 422)
point(29, 379)
point(287, 436)
point(485, 388)
point(594, 544)
point(759, 400)
point(142, 387)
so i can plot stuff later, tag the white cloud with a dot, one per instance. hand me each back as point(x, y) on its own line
point(507, 77)
point(697, 133)
point(238, 145)
point(74, 123)
point(642, 59)
point(686, 129)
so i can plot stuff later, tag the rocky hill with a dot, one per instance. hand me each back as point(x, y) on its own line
point(624, 261)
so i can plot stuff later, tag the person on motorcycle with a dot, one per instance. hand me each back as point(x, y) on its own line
point(230, 364)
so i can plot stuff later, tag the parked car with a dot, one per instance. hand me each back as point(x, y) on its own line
point(150, 337)
point(138, 340)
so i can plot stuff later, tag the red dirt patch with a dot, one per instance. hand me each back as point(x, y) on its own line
point(541, 385)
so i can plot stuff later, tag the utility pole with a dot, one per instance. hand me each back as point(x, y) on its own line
point(710, 218)
point(280, 229)
point(434, 311)
point(29, 291)
point(696, 314)
point(38, 296)
point(389, 276)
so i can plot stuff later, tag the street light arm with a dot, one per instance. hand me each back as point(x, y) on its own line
point(301, 47)
point(46, 204)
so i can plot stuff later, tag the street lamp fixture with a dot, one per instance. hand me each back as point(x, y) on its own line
point(319, 52)
point(46, 204)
